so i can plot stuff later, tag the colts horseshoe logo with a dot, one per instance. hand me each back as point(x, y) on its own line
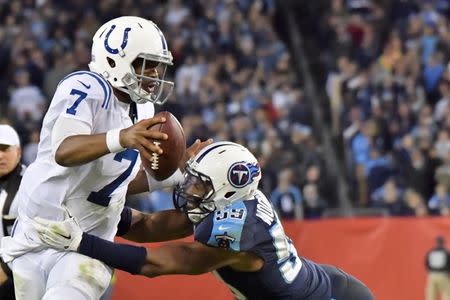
point(124, 40)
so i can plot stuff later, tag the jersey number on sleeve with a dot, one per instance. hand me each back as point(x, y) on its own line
point(287, 254)
point(102, 197)
point(81, 96)
point(227, 213)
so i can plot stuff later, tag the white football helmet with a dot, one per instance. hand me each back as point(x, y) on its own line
point(217, 176)
point(117, 44)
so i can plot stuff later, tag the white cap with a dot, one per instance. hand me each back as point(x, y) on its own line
point(8, 136)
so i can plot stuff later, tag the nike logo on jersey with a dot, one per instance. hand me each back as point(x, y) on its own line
point(221, 227)
point(85, 85)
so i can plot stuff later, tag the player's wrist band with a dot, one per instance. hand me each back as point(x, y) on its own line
point(113, 140)
point(128, 258)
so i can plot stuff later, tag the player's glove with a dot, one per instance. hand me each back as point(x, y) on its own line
point(65, 235)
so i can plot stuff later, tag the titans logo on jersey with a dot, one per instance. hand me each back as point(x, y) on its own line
point(252, 225)
point(224, 240)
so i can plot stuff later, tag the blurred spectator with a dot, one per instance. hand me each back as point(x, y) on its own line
point(62, 64)
point(11, 171)
point(27, 103)
point(439, 203)
point(286, 198)
point(30, 150)
point(391, 197)
point(314, 206)
point(442, 144)
point(443, 105)
point(361, 147)
point(419, 173)
point(432, 72)
point(443, 172)
point(377, 169)
point(314, 173)
point(437, 262)
point(415, 203)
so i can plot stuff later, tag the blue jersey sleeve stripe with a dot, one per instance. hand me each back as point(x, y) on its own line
point(70, 75)
point(103, 83)
point(109, 90)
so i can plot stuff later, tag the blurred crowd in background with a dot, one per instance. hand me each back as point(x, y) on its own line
point(388, 86)
point(234, 80)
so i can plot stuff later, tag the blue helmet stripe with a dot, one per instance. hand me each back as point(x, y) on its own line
point(212, 148)
point(164, 42)
point(163, 39)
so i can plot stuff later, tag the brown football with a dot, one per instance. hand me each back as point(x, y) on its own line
point(162, 166)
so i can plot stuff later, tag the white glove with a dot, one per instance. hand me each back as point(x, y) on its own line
point(65, 235)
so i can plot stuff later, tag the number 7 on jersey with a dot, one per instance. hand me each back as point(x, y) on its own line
point(81, 96)
point(102, 197)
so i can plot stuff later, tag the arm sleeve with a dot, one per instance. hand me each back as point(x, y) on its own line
point(123, 257)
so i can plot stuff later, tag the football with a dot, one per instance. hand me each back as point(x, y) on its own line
point(162, 166)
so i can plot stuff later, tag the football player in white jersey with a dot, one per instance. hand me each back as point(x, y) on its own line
point(88, 159)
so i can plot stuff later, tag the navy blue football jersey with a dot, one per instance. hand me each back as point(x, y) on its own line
point(252, 225)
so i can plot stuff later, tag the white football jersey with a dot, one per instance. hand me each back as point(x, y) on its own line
point(94, 193)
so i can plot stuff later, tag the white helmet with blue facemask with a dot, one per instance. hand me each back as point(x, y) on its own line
point(118, 43)
point(217, 176)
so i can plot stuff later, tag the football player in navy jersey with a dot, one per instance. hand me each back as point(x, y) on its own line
point(237, 233)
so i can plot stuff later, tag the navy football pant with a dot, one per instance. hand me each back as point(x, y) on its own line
point(345, 286)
